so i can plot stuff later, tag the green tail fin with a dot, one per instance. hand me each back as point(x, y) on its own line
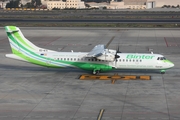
point(18, 41)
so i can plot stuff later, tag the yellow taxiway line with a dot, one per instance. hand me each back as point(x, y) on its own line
point(114, 77)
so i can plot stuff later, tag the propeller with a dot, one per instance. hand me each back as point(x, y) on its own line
point(116, 56)
point(117, 51)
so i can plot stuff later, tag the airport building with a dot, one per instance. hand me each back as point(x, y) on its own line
point(114, 4)
point(141, 4)
point(78, 4)
point(3, 4)
point(134, 2)
point(160, 3)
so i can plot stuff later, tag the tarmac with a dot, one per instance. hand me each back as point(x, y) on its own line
point(30, 92)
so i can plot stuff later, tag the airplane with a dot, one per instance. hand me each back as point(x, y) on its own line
point(98, 60)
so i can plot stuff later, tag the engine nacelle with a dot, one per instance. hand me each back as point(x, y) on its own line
point(110, 51)
point(107, 57)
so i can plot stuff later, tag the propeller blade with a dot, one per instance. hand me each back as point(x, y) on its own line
point(118, 51)
point(116, 56)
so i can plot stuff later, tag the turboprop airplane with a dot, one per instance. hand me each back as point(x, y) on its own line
point(99, 59)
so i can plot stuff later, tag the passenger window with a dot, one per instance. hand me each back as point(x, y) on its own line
point(74, 59)
point(64, 58)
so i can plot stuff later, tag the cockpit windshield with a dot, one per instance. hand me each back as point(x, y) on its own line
point(161, 58)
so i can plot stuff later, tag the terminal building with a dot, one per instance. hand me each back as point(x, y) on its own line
point(114, 4)
point(141, 4)
point(160, 3)
point(77, 4)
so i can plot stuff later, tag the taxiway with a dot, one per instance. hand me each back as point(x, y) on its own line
point(30, 92)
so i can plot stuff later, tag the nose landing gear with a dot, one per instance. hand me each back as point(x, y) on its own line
point(162, 71)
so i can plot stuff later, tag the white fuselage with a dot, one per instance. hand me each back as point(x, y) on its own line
point(126, 60)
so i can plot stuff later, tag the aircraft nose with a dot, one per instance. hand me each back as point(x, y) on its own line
point(171, 64)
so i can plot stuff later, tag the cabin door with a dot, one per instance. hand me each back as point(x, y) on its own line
point(48, 62)
point(113, 64)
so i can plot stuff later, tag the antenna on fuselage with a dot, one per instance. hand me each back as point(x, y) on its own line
point(151, 50)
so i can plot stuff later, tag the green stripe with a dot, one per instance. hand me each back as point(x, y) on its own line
point(31, 60)
point(22, 47)
point(168, 61)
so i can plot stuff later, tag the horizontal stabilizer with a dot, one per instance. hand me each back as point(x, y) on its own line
point(12, 31)
point(13, 56)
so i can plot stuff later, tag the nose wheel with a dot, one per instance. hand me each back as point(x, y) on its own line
point(162, 71)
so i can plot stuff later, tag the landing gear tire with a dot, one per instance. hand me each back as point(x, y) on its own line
point(95, 72)
point(162, 71)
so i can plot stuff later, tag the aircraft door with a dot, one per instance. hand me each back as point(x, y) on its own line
point(113, 64)
point(137, 61)
point(48, 61)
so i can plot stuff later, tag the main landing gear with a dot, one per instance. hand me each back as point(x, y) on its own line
point(95, 72)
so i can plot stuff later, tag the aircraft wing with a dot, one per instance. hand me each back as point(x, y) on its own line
point(97, 51)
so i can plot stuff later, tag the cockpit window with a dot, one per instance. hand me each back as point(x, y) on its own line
point(161, 58)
